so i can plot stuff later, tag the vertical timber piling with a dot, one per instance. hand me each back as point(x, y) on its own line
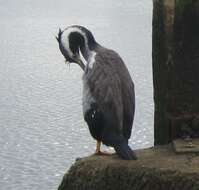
point(175, 66)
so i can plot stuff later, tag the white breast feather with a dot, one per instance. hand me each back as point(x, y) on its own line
point(91, 59)
point(87, 98)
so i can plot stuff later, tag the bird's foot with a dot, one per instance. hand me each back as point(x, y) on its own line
point(104, 153)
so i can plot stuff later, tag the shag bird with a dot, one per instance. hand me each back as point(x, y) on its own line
point(108, 90)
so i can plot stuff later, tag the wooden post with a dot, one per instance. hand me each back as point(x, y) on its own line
point(175, 64)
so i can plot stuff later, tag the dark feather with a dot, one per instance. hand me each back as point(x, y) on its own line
point(59, 36)
point(112, 88)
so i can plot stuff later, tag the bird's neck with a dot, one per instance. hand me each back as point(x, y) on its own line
point(85, 52)
point(87, 55)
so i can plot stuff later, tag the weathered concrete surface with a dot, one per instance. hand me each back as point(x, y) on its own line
point(156, 169)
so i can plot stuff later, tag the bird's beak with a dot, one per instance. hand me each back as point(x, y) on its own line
point(81, 64)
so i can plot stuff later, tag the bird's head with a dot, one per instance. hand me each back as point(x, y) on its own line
point(75, 42)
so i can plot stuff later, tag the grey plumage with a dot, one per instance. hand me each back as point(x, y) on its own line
point(108, 99)
point(113, 89)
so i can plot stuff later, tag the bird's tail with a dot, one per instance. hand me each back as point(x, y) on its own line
point(124, 151)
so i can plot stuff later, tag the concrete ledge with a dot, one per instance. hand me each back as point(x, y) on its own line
point(156, 169)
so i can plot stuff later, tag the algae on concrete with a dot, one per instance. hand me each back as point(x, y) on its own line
point(156, 169)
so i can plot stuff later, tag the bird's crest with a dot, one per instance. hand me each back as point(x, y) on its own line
point(59, 36)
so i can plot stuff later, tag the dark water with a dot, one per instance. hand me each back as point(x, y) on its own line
point(41, 126)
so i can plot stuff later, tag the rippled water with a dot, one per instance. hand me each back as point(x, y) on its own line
point(42, 130)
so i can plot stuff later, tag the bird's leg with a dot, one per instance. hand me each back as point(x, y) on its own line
point(98, 151)
point(98, 145)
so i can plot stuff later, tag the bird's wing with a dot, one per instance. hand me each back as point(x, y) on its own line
point(119, 73)
point(105, 87)
point(128, 95)
point(129, 109)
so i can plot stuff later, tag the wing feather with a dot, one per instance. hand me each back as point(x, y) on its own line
point(112, 88)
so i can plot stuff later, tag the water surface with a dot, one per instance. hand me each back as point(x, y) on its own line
point(42, 130)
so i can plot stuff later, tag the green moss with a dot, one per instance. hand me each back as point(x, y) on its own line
point(157, 169)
